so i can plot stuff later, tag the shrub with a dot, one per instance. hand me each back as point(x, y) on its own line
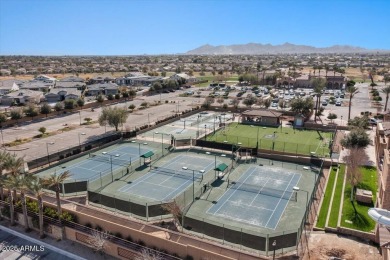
point(68, 217)
point(59, 106)
point(69, 104)
point(50, 212)
point(117, 96)
point(110, 97)
point(100, 98)
point(88, 225)
point(129, 238)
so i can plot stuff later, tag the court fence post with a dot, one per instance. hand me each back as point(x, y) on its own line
point(147, 213)
point(63, 189)
point(266, 244)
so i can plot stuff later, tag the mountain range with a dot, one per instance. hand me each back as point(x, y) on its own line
point(288, 48)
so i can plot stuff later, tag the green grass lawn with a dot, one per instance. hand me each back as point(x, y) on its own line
point(335, 208)
point(286, 139)
point(360, 220)
point(326, 201)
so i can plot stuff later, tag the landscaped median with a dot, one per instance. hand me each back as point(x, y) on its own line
point(327, 198)
point(337, 195)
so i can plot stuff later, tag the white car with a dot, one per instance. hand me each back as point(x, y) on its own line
point(374, 121)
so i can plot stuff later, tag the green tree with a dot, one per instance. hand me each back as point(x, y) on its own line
point(114, 117)
point(100, 98)
point(208, 102)
point(332, 117)
point(351, 90)
point(31, 111)
point(302, 106)
point(16, 114)
point(249, 100)
point(110, 97)
point(36, 188)
point(117, 96)
point(42, 130)
point(132, 107)
point(357, 137)
point(386, 90)
point(3, 119)
point(132, 93)
point(58, 106)
point(4, 164)
point(172, 83)
point(80, 102)
point(318, 85)
point(359, 122)
point(45, 109)
point(157, 86)
point(55, 181)
point(69, 104)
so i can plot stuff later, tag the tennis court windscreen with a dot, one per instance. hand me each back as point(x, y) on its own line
point(283, 194)
point(108, 159)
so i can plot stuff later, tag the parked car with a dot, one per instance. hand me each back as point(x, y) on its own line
point(324, 103)
point(338, 103)
point(374, 121)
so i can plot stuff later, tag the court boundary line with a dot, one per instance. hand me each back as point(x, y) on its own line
point(300, 175)
point(277, 205)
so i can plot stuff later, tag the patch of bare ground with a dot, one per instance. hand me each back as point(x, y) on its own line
point(325, 245)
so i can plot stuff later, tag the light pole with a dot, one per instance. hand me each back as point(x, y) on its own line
point(274, 247)
point(139, 149)
point(149, 118)
point(341, 120)
point(205, 132)
point(2, 138)
point(80, 138)
point(162, 141)
point(193, 182)
point(257, 138)
point(273, 141)
point(80, 116)
point(111, 155)
point(296, 189)
point(47, 149)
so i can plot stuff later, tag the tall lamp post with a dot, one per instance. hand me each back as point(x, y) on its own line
point(162, 141)
point(80, 116)
point(47, 149)
point(205, 132)
point(296, 189)
point(139, 149)
point(193, 182)
point(273, 141)
point(111, 155)
point(274, 248)
point(2, 138)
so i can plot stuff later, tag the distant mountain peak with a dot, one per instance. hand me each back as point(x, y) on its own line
point(285, 48)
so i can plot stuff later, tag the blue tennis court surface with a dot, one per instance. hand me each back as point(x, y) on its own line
point(259, 197)
point(168, 181)
point(95, 167)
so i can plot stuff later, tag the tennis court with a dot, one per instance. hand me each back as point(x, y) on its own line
point(166, 182)
point(98, 164)
point(259, 197)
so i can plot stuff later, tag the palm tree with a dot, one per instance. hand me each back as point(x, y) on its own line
point(21, 183)
point(4, 159)
point(36, 188)
point(24, 182)
point(351, 90)
point(335, 69)
point(318, 85)
point(386, 90)
point(14, 167)
point(10, 185)
point(55, 181)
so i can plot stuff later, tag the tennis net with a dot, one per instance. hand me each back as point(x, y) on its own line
point(184, 174)
point(108, 159)
point(282, 194)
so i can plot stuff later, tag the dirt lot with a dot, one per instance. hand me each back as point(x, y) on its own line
point(325, 245)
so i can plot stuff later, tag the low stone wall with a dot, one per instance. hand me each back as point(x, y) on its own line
point(352, 232)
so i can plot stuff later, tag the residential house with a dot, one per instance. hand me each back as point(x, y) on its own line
point(103, 88)
point(37, 85)
point(9, 85)
point(101, 79)
point(143, 80)
point(71, 82)
point(45, 78)
point(5, 72)
point(21, 97)
point(58, 94)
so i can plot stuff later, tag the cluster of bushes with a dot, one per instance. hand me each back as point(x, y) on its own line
point(375, 95)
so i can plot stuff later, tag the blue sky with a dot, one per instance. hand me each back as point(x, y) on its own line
point(120, 27)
